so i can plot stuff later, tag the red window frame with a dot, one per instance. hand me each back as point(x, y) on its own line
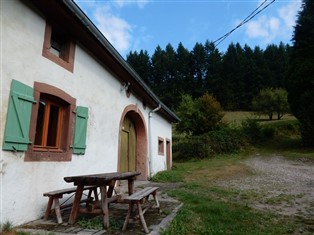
point(66, 49)
point(62, 151)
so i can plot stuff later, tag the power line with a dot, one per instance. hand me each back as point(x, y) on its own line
point(258, 10)
point(247, 19)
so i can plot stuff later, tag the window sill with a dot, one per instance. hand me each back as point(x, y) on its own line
point(63, 63)
point(36, 149)
point(48, 155)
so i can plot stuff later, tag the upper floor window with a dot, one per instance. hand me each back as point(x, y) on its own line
point(58, 47)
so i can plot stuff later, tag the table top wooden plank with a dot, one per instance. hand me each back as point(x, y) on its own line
point(101, 178)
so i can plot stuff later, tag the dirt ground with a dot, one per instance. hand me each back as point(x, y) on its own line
point(279, 185)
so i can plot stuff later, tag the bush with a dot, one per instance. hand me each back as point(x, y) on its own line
point(256, 132)
point(199, 116)
point(268, 132)
point(285, 128)
point(186, 147)
point(219, 141)
point(226, 140)
point(251, 128)
point(6, 227)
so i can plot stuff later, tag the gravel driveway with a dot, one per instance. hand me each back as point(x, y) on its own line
point(280, 185)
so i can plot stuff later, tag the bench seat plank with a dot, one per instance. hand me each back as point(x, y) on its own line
point(56, 194)
point(139, 198)
point(65, 191)
point(141, 194)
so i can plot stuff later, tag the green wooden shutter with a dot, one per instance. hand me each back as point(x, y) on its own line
point(16, 134)
point(79, 140)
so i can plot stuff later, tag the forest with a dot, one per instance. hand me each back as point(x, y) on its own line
point(233, 78)
point(238, 75)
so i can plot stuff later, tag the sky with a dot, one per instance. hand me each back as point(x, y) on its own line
point(134, 25)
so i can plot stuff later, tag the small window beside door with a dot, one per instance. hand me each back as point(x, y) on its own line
point(161, 148)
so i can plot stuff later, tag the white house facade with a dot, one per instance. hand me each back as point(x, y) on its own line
point(70, 105)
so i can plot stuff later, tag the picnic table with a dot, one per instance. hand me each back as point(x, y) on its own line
point(106, 183)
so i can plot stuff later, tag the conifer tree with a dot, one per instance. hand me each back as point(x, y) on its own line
point(300, 83)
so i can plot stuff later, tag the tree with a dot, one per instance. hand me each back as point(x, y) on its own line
point(250, 77)
point(164, 74)
point(276, 65)
point(281, 102)
point(210, 113)
point(199, 66)
point(214, 68)
point(270, 101)
point(142, 64)
point(199, 116)
point(300, 82)
point(185, 81)
point(232, 78)
point(158, 72)
point(170, 89)
point(186, 111)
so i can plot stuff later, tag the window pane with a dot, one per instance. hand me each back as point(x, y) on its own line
point(55, 52)
point(57, 44)
point(160, 146)
point(53, 126)
point(40, 123)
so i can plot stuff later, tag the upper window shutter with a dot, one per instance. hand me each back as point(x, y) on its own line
point(79, 140)
point(16, 134)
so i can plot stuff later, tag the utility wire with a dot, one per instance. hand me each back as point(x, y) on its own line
point(247, 19)
point(258, 10)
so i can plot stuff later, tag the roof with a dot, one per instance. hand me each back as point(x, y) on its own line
point(79, 26)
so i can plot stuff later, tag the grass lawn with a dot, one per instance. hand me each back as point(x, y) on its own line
point(210, 209)
point(236, 117)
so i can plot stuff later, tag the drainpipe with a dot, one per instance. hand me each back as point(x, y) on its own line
point(150, 156)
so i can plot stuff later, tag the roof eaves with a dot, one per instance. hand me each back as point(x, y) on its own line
point(71, 5)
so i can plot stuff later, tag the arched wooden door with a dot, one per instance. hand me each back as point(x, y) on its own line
point(128, 146)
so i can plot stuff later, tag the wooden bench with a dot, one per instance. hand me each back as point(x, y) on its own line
point(54, 197)
point(140, 198)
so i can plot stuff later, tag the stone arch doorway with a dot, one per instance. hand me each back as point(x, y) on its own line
point(133, 143)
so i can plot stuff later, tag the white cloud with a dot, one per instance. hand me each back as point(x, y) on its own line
point(115, 29)
point(276, 26)
point(264, 27)
point(123, 3)
point(289, 12)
